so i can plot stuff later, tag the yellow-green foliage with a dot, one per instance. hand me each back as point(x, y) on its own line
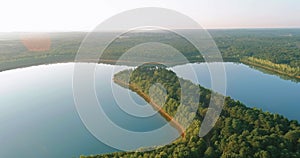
point(281, 68)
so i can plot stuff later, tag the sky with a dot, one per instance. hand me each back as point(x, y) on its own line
point(85, 15)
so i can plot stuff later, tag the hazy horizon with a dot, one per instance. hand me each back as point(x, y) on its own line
point(86, 31)
point(83, 16)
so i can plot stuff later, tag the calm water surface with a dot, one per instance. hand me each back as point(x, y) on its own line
point(38, 117)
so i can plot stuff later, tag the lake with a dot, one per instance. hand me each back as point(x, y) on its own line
point(38, 117)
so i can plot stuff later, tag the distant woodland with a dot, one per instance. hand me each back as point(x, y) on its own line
point(267, 46)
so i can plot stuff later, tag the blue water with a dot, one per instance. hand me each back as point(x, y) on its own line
point(38, 117)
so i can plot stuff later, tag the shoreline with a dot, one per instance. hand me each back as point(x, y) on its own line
point(163, 113)
point(121, 62)
point(268, 69)
point(21, 65)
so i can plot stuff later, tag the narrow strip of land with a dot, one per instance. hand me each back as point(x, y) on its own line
point(268, 68)
point(162, 112)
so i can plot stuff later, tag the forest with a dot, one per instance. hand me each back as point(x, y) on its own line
point(279, 68)
point(278, 46)
point(239, 132)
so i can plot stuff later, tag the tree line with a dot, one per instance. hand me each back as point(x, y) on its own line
point(280, 68)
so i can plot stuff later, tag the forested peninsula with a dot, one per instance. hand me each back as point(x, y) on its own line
point(240, 131)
